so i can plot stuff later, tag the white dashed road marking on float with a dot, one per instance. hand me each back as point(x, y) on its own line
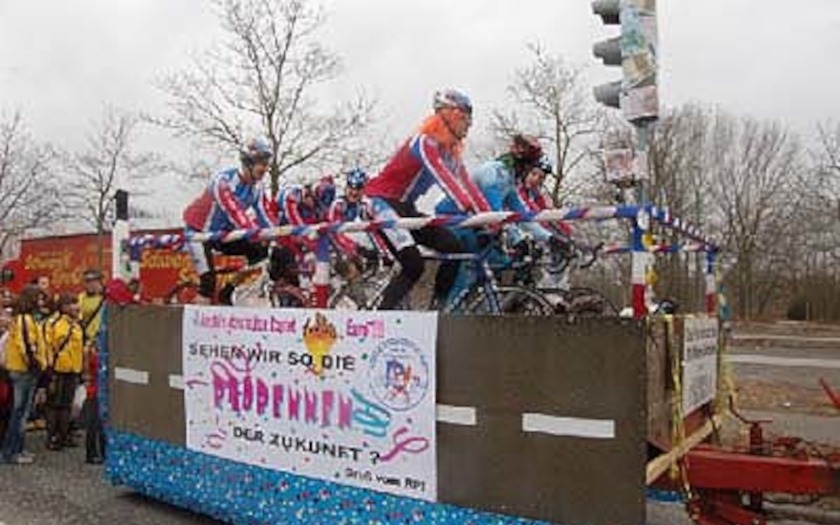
point(568, 426)
point(456, 415)
point(129, 375)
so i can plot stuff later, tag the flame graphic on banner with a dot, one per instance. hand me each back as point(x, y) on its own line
point(319, 338)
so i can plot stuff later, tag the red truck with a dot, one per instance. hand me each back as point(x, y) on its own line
point(64, 258)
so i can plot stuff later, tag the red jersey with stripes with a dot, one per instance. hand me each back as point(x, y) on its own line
point(292, 208)
point(229, 203)
point(420, 164)
point(536, 201)
point(343, 210)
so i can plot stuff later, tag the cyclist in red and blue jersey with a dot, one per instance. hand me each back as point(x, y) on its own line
point(298, 205)
point(431, 157)
point(529, 188)
point(233, 199)
point(305, 204)
point(353, 206)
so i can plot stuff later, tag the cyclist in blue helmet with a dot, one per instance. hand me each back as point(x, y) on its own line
point(352, 206)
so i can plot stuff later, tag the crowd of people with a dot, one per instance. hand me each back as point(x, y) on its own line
point(48, 369)
point(237, 198)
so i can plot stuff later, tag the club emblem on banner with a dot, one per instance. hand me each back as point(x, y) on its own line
point(399, 374)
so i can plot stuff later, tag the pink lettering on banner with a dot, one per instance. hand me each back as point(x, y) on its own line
point(374, 329)
point(294, 405)
point(310, 407)
point(345, 412)
point(224, 383)
point(239, 391)
point(283, 326)
point(247, 394)
point(262, 397)
point(277, 405)
point(326, 407)
point(253, 323)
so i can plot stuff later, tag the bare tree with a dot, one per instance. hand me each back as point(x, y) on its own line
point(677, 169)
point(29, 197)
point(824, 181)
point(107, 161)
point(263, 76)
point(754, 168)
point(556, 106)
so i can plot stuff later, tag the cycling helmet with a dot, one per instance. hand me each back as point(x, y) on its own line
point(255, 150)
point(356, 179)
point(545, 165)
point(452, 98)
point(526, 149)
point(324, 192)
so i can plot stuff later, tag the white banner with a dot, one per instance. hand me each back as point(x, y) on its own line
point(342, 396)
point(700, 353)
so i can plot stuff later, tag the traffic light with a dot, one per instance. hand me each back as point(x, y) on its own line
point(635, 51)
point(609, 51)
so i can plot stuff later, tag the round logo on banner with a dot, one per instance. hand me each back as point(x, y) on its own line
point(399, 374)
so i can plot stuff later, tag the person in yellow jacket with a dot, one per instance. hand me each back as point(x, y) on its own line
point(26, 359)
point(64, 340)
point(91, 304)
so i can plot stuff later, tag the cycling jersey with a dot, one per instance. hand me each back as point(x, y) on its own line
point(291, 208)
point(536, 201)
point(497, 183)
point(343, 210)
point(225, 203)
point(418, 165)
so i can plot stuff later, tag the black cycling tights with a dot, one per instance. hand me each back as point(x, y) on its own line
point(437, 238)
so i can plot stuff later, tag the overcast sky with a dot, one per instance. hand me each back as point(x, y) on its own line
point(61, 60)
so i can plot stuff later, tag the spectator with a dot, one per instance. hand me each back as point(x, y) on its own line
point(25, 361)
point(65, 343)
point(44, 312)
point(95, 437)
point(5, 385)
point(91, 302)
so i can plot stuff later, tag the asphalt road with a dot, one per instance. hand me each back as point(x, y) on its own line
point(60, 489)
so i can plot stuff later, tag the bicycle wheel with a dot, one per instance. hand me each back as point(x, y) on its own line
point(586, 302)
point(512, 300)
point(253, 294)
point(517, 300)
point(341, 300)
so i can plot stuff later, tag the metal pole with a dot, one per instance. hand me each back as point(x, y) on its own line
point(121, 266)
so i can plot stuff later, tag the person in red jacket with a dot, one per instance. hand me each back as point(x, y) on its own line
point(94, 435)
point(431, 157)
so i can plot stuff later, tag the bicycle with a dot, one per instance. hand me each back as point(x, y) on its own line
point(484, 294)
point(247, 285)
point(186, 291)
point(566, 300)
point(363, 291)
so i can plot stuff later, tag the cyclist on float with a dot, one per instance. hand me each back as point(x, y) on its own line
point(233, 199)
point(497, 180)
point(352, 206)
point(298, 205)
point(431, 157)
point(529, 188)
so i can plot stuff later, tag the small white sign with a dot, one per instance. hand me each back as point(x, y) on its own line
point(700, 360)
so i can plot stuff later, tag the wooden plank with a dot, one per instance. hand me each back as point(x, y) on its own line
point(659, 465)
